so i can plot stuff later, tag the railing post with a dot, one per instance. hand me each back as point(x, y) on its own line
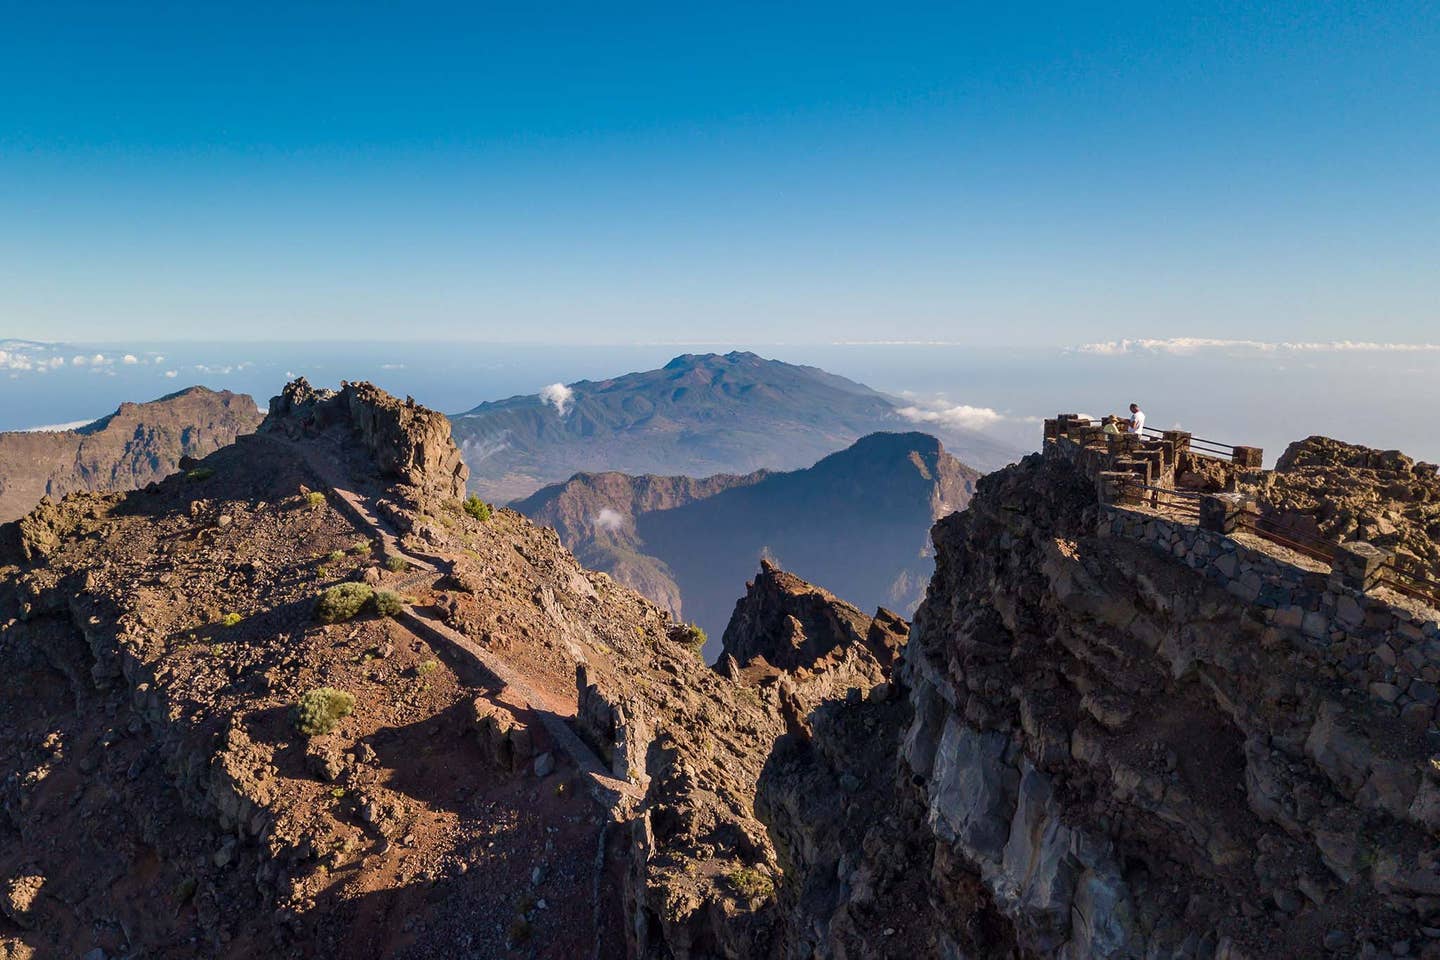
point(1248, 457)
point(1359, 565)
point(1180, 439)
point(1220, 512)
point(1117, 487)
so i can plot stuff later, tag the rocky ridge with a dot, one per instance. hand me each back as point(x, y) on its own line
point(136, 444)
point(155, 645)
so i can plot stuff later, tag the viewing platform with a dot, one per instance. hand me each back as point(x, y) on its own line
point(1348, 603)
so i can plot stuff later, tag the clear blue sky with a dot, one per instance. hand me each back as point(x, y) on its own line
point(990, 172)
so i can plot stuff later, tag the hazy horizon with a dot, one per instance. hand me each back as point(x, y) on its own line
point(1264, 395)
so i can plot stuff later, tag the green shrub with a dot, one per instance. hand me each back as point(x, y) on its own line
point(230, 620)
point(361, 548)
point(336, 556)
point(199, 473)
point(750, 883)
point(388, 604)
point(396, 564)
point(478, 508)
point(315, 498)
point(342, 601)
point(320, 711)
point(694, 637)
point(426, 668)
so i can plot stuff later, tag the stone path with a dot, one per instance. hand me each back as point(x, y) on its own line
point(613, 795)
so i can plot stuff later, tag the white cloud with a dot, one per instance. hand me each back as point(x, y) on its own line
point(1188, 345)
point(129, 359)
point(57, 427)
point(79, 361)
point(959, 415)
point(157, 359)
point(608, 519)
point(172, 374)
point(558, 396)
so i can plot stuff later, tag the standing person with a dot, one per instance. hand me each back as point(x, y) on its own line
point(1136, 423)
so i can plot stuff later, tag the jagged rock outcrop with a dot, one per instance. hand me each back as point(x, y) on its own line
point(1343, 491)
point(787, 623)
point(408, 442)
point(136, 444)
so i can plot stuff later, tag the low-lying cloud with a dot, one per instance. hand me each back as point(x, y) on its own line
point(558, 396)
point(960, 415)
point(1188, 345)
point(608, 519)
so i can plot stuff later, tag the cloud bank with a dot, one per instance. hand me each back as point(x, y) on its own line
point(558, 396)
point(1187, 345)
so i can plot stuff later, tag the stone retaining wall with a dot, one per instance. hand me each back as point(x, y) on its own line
point(1374, 645)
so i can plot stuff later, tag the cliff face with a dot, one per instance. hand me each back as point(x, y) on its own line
point(138, 443)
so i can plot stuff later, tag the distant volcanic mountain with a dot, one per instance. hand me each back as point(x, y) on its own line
point(136, 444)
point(858, 521)
point(700, 414)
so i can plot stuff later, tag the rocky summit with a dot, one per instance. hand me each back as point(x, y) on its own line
point(306, 699)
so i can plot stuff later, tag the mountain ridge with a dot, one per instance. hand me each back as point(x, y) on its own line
point(856, 521)
point(698, 415)
point(129, 448)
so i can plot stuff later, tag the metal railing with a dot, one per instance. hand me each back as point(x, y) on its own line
point(1416, 584)
point(1199, 445)
point(1316, 548)
point(1182, 504)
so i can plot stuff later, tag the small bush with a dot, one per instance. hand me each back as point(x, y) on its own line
point(361, 548)
point(320, 711)
point(694, 637)
point(750, 883)
point(426, 668)
point(396, 564)
point(388, 604)
point(199, 473)
point(315, 498)
point(342, 601)
point(478, 508)
point(336, 556)
point(230, 620)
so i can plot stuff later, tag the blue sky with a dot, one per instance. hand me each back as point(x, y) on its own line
point(990, 174)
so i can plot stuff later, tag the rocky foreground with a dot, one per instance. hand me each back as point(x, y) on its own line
point(304, 700)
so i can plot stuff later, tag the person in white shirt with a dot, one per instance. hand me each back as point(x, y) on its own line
point(1136, 423)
